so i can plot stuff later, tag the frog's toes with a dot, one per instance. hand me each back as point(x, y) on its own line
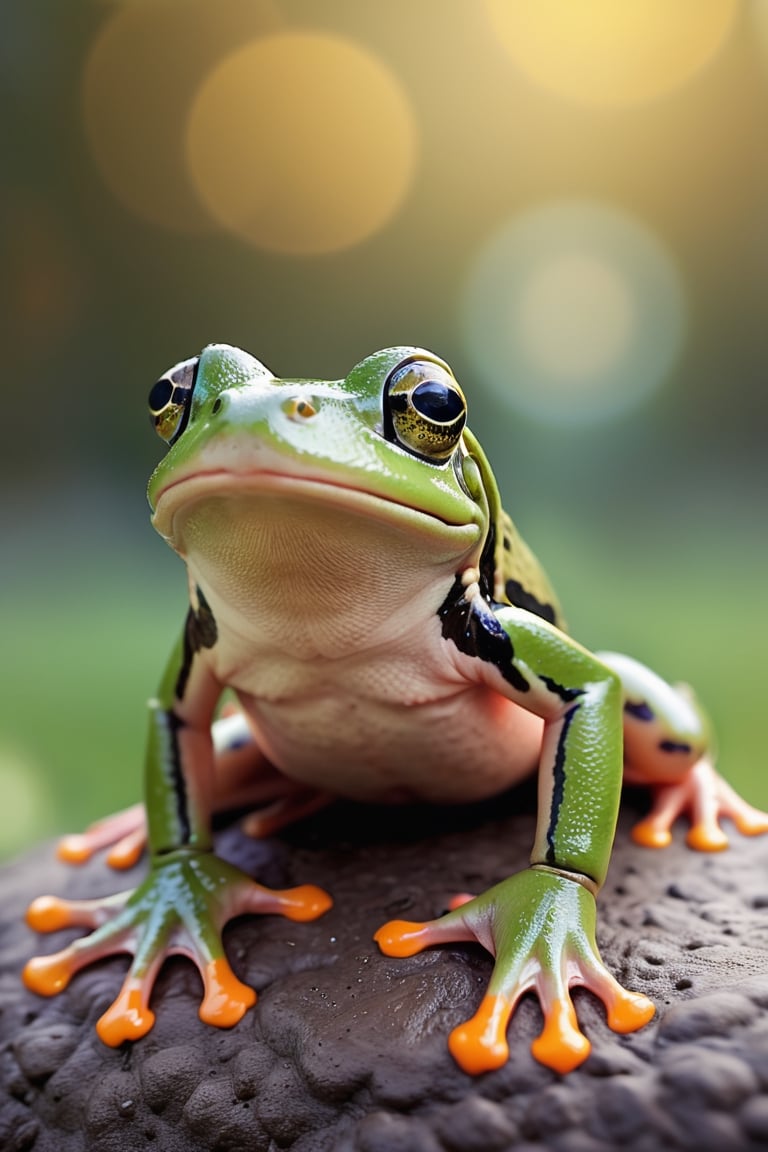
point(226, 998)
point(127, 851)
point(650, 833)
point(129, 1017)
point(539, 926)
point(401, 938)
point(625, 1011)
point(706, 836)
point(125, 833)
point(49, 975)
point(459, 899)
point(301, 904)
point(480, 1044)
point(225, 1001)
point(180, 908)
point(285, 810)
point(561, 1045)
point(749, 821)
point(50, 914)
point(707, 799)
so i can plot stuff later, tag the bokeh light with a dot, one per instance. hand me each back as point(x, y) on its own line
point(302, 142)
point(604, 52)
point(759, 23)
point(559, 176)
point(140, 78)
point(574, 312)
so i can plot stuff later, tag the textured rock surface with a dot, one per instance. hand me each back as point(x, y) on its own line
point(346, 1049)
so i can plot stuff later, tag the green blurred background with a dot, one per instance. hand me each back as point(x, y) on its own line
point(566, 199)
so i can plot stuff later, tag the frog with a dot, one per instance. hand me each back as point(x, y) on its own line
point(383, 634)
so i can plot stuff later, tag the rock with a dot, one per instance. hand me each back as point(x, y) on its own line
point(345, 1050)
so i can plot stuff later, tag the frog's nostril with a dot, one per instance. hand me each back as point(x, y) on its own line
point(299, 408)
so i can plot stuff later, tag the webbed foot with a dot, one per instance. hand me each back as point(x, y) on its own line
point(181, 908)
point(706, 798)
point(541, 929)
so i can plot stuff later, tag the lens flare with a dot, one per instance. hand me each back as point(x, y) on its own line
point(574, 313)
point(612, 52)
point(302, 143)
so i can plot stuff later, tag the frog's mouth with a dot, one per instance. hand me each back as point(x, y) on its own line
point(257, 493)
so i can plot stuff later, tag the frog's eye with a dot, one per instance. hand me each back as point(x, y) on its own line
point(424, 409)
point(171, 399)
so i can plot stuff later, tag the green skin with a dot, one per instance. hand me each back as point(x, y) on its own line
point(346, 545)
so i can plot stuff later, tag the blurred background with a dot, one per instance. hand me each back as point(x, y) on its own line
point(566, 199)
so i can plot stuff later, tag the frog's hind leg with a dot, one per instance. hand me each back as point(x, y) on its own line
point(245, 779)
point(124, 833)
point(668, 746)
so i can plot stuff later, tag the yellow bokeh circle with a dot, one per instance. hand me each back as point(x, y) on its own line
point(302, 142)
point(574, 312)
point(612, 52)
point(574, 319)
point(141, 75)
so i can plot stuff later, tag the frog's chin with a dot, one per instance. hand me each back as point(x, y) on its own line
point(175, 502)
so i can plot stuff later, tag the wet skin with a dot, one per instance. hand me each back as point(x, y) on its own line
point(388, 637)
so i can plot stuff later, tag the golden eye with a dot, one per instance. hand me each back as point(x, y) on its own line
point(170, 400)
point(425, 409)
point(299, 408)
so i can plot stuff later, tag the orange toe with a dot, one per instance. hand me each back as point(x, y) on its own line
point(129, 1018)
point(401, 938)
point(74, 849)
point(650, 835)
point(480, 1045)
point(125, 854)
point(48, 914)
point(630, 1011)
point(705, 838)
point(226, 998)
point(561, 1046)
point(307, 902)
point(459, 900)
point(750, 822)
point(46, 975)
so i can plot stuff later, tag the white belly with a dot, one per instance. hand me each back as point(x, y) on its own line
point(466, 744)
point(328, 630)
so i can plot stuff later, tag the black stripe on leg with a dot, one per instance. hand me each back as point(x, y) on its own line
point(558, 784)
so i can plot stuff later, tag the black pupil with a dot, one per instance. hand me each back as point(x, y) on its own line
point(437, 401)
point(160, 394)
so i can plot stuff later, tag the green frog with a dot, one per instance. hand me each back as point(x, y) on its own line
point(388, 636)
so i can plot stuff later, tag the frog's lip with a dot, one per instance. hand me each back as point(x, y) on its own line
point(200, 485)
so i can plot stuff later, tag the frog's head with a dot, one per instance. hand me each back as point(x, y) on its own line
point(388, 443)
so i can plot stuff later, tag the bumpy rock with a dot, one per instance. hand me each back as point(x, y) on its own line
point(345, 1050)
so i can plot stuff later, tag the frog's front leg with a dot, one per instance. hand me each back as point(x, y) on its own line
point(539, 924)
point(189, 894)
point(668, 746)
